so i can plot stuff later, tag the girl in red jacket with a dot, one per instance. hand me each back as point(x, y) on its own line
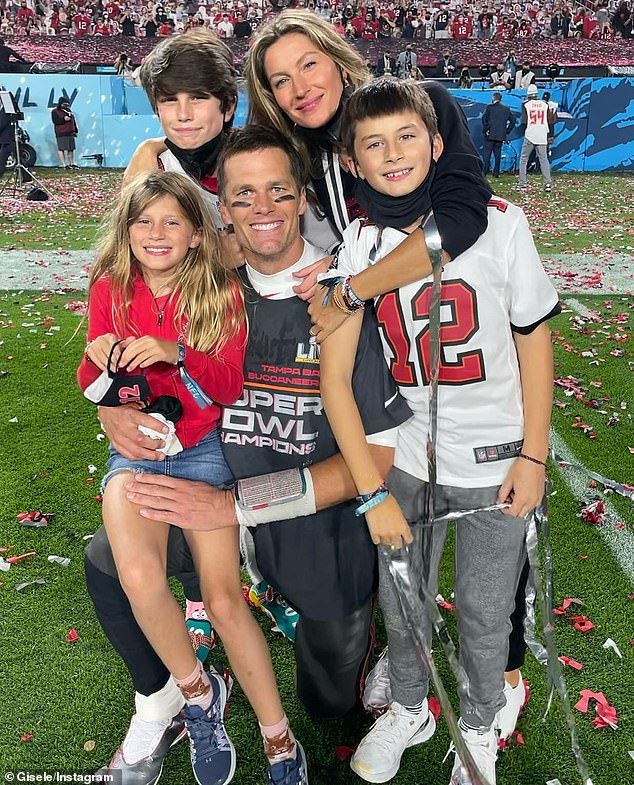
point(165, 314)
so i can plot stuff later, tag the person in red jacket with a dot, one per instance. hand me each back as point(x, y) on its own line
point(166, 325)
point(65, 132)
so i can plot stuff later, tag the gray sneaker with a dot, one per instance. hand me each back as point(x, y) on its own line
point(157, 738)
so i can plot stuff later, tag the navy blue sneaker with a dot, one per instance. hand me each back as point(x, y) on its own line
point(289, 772)
point(212, 754)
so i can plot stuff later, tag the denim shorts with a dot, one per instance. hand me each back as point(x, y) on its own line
point(203, 463)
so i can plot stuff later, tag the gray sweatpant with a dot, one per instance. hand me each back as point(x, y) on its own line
point(541, 151)
point(489, 555)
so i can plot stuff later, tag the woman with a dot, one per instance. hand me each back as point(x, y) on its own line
point(299, 74)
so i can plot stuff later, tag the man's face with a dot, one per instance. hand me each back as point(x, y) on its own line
point(190, 120)
point(264, 204)
point(394, 152)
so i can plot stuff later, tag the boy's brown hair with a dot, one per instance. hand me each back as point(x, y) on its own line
point(383, 97)
point(196, 62)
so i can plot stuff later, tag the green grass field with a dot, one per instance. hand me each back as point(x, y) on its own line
point(62, 695)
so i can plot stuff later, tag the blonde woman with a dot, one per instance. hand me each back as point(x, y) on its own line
point(165, 315)
point(299, 73)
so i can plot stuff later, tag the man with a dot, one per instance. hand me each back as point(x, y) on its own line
point(500, 79)
point(524, 77)
point(446, 67)
point(385, 65)
point(441, 22)
point(323, 562)
point(497, 121)
point(536, 116)
point(407, 60)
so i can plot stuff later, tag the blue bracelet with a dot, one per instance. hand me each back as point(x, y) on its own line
point(376, 498)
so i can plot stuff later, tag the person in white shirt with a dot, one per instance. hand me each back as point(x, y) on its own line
point(225, 28)
point(536, 116)
point(524, 77)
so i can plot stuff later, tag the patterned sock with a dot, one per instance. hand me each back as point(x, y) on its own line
point(196, 688)
point(279, 742)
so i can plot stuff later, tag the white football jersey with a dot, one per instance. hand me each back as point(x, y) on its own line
point(536, 121)
point(497, 284)
point(171, 163)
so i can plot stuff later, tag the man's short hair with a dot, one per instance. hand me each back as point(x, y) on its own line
point(383, 97)
point(196, 62)
point(497, 96)
point(253, 138)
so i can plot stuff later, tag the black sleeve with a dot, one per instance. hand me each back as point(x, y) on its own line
point(379, 402)
point(459, 192)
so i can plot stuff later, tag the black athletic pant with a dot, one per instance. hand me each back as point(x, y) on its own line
point(330, 656)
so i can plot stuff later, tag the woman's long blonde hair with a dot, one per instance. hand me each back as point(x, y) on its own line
point(263, 108)
point(209, 310)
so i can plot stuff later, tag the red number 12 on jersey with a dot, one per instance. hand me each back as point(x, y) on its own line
point(460, 298)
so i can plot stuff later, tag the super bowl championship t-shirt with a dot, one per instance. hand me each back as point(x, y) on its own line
point(324, 564)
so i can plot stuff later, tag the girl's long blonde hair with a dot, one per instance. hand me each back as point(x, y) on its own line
point(263, 108)
point(210, 309)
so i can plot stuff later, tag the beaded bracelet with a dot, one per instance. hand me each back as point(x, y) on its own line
point(532, 460)
point(338, 301)
point(350, 298)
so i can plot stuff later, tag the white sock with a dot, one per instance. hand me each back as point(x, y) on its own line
point(142, 738)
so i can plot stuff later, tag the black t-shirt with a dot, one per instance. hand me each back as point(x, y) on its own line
point(324, 564)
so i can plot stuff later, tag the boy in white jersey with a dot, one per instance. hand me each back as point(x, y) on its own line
point(495, 390)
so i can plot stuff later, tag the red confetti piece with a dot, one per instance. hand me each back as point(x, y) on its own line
point(561, 610)
point(582, 557)
point(90, 481)
point(570, 662)
point(435, 707)
point(26, 737)
point(18, 559)
point(582, 623)
point(343, 753)
point(99, 498)
point(593, 513)
point(448, 606)
point(72, 635)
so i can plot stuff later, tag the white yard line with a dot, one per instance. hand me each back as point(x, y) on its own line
point(620, 541)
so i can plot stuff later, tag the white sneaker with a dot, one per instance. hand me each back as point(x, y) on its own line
point(377, 693)
point(506, 718)
point(378, 756)
point(483, 746)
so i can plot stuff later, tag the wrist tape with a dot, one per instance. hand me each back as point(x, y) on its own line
point(278, 496)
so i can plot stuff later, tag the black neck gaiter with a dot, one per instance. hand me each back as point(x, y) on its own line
point(201, 161)
point(396, 211)
point(329, 135)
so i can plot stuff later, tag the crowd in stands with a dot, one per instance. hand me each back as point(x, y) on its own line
point(375, 19)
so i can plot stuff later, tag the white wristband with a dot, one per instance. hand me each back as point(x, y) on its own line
point(282, 511)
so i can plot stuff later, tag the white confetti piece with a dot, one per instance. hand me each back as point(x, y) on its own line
point(61, 560)
point(610, 644)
